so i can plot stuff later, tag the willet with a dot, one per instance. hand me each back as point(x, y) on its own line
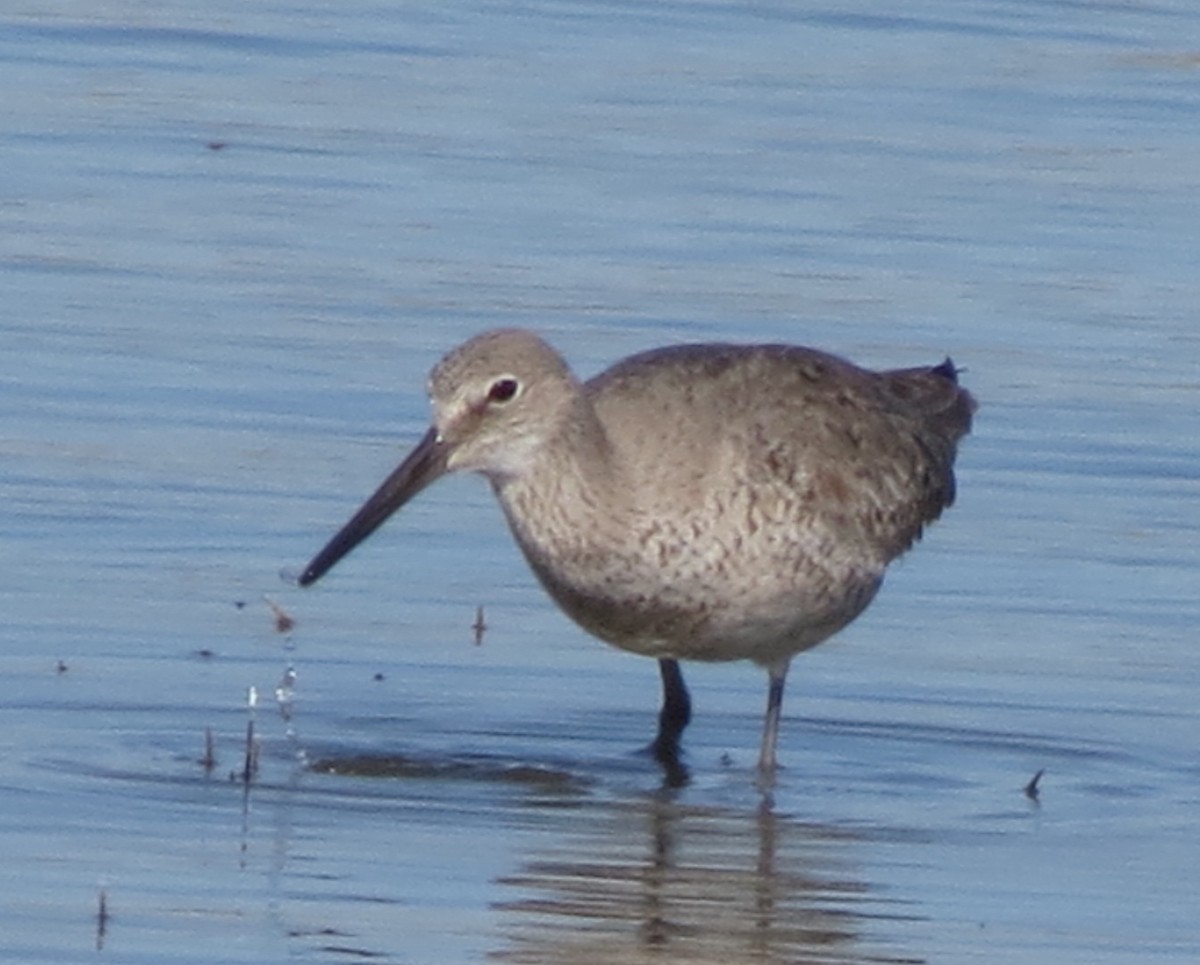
point(696, 502)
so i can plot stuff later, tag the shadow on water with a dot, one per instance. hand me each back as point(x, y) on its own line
point(534, 777)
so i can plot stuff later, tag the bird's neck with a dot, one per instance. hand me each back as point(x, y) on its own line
point(572, 488)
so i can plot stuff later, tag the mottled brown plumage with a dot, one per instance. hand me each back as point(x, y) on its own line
point(703, 502)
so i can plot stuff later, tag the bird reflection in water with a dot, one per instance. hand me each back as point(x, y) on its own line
point(657, 880)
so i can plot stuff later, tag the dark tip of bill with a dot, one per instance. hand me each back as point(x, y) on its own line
point(317, 567)
point(288, 575)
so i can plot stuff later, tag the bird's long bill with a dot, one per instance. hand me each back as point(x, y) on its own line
point(422, 466)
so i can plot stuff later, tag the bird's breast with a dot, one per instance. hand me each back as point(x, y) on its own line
point(693, 585)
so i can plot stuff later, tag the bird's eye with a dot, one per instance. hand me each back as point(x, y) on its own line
point(503, 390)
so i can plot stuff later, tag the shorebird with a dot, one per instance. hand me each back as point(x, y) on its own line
point(696, 502)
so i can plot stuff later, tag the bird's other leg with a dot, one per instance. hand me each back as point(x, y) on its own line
point(766, 759)
point(675, 714)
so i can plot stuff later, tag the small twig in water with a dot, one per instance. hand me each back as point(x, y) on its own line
point(1031, 789)
point(102, 919)
point(209, 760)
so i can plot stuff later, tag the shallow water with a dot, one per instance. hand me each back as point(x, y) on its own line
point(233, 243)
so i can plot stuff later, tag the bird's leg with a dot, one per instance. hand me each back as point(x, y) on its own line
point(766, 759)
point(675, 714)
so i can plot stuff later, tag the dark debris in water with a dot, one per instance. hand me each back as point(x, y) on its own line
point(209, 760)
point(1031, 789)
point(101, 919)
point(346, 950)
point(284, 621)
point(351, 951)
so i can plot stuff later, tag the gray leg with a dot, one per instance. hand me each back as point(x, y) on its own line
point(766, 759)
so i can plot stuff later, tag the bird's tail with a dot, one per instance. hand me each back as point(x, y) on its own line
point(936, 396)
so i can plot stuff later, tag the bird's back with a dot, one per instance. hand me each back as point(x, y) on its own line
point(870, 453)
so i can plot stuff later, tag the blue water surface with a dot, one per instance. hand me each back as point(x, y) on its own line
point(233, 240)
